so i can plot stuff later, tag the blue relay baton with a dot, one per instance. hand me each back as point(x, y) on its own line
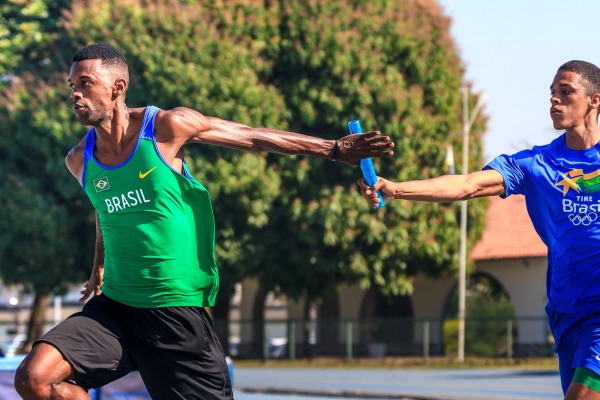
point(366, 164)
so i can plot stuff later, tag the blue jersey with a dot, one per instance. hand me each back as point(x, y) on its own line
point(562, 192)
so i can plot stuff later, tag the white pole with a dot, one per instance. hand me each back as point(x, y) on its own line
point(57, 309)
point(462, 271)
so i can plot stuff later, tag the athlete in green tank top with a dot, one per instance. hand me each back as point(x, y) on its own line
point(154, 268)
point(157, 225)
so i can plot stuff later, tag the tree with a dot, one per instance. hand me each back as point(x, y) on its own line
point(299, 224)
point(394, 66)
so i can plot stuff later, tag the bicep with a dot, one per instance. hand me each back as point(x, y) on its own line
point(183, 125)
point(485, 183)
point(227, 134)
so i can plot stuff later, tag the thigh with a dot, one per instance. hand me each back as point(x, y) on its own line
point(587, 352)
point(92, 343)
point(179, 356)
point(579, 391)
point(566, 358)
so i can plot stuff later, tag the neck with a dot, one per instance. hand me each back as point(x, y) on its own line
point(581, 139)
point(112, 132)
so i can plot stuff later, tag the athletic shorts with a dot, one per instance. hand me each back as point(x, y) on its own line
point(577, 343)
point(175, 349)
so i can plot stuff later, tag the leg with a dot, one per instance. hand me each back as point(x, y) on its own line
point(578, 391)
point(78, 354)
point(43, 374)
point(585, 385)
point(585, 382)
point(180, 357)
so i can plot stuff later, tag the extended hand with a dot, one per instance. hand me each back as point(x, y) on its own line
point(370, 192)
point(354, 148)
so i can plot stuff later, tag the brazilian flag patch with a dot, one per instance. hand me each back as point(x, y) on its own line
point(101, 184)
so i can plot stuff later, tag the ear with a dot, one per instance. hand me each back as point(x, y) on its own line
point(595, 100)
point(120, 87)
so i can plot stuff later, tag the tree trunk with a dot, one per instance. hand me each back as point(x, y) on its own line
point(258, 324)
point(37, 321)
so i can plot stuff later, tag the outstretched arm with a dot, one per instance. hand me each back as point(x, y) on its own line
point(441, 189)
point(183, 125)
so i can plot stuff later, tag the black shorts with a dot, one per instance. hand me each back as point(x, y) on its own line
point(175, 349)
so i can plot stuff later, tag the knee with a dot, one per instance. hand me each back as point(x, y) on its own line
point(31, 382)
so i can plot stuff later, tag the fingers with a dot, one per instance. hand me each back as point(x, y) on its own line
point(85, 294)
point(381, 144)
point(367, 191)
point(372, 135)
point(378, 185)
point(362, 184)
point(375, 137)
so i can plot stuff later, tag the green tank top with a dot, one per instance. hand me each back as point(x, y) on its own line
point(157, 225)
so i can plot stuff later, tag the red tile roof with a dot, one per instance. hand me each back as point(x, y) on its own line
point(508, 232)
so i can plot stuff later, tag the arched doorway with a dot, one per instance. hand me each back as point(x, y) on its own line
point(490, 330)
point(387, 324)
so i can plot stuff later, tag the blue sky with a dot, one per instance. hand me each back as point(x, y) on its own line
point(511, 50)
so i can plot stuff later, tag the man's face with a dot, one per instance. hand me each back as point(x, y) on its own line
point(570, 103)
point(91, 91)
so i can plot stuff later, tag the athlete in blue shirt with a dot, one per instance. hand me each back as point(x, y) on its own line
point(561, 185)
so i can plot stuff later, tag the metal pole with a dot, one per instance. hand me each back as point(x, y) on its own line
point(265, 341)
point(509, 339)
point(349, 340)
point(462, 271)
point(292, 339)
point(426, 339)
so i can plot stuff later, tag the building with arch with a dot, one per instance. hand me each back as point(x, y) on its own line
point(510, 252)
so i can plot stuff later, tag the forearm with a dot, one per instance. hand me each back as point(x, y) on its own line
point(98, 248)
point(448, 188)
point(99, 258)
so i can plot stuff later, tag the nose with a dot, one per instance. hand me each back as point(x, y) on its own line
point(554, 100)
point(75, 95)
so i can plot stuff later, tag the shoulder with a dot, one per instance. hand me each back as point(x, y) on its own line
point(74, 159)
point(179, 115)
point(137, 114)
point(180, 122)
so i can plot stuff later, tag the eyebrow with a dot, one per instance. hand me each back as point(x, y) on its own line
point(81, 77)
point(568, 85)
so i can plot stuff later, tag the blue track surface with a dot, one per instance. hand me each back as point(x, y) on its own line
point(452, 384)
point(315, 384)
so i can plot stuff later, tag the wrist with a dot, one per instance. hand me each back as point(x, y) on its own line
point(336, 151)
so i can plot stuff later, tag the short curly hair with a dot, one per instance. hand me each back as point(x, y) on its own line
point(109, 55)
point(588, 71)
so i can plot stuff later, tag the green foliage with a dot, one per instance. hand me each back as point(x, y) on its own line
point(26, 29)
point(45, 222)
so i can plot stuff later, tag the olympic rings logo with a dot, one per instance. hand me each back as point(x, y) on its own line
point(583, 219)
